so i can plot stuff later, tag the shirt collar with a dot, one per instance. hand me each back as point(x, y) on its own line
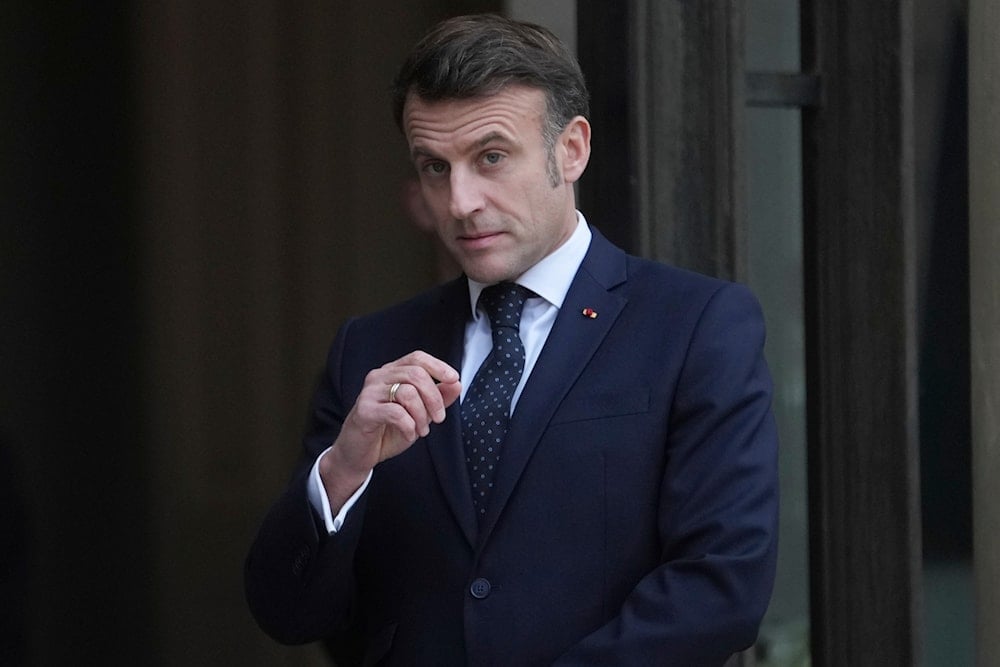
point(551, 277)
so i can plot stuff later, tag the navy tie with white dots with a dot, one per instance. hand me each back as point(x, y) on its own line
point(486, 407)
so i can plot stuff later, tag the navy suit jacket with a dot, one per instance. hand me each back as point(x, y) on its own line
point(633, 519)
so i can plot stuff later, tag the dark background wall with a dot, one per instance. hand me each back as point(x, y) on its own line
point(69, 334)
point(192, 197)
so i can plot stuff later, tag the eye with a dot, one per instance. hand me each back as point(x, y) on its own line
point(434, 168)
point(492, 158)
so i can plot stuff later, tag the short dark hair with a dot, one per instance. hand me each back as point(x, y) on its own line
point(478, 55)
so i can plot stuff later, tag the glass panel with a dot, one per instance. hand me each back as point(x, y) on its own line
point(774, 206)
point(772, 36)
point(775, 274)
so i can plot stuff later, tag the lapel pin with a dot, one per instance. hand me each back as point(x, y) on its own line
point(590, 312)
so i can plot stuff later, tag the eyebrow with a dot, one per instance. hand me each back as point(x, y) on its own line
point(418, 151)
point(490, 138)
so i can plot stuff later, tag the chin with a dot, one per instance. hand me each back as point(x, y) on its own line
point(487, 276)
point(492, 269)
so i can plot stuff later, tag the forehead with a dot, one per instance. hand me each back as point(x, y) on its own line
point(512, 112)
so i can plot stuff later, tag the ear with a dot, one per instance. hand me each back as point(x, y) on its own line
point(575, 143)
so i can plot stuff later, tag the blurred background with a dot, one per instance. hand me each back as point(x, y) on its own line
point(194, 195)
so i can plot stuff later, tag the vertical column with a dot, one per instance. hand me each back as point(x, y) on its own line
point(666, 180)
point(861, 335)
point(689, 136)
point(984, 248)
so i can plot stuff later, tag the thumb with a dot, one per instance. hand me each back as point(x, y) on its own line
point(450, 391)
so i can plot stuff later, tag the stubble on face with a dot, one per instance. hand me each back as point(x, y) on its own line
point(491, 179)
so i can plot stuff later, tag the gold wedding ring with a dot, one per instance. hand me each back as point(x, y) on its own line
point(392, 392)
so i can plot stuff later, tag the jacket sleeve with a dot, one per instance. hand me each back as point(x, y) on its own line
point(718, 508)
point(299, 581)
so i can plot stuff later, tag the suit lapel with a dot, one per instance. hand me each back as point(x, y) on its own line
point(570, 345)
point(445, 341)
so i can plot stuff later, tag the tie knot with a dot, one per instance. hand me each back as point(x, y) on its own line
point(503, 304)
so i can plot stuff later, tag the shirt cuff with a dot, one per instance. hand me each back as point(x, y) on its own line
point(321, 502)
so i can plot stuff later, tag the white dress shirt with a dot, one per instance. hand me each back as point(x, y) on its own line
point(550, 280)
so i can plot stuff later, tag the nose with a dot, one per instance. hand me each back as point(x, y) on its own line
point(466, 195)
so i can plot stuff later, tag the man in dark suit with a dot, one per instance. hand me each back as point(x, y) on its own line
point(608, 496)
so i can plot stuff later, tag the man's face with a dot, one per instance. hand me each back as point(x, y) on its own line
point(485, 174)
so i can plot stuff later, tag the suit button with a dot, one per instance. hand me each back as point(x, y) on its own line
point(480, 588)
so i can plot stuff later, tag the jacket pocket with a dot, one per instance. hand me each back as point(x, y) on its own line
point(601, 405)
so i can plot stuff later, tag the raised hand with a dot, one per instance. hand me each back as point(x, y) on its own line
point(396, 406)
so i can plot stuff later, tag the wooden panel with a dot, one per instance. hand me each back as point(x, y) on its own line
point(865, 551)
point(667, 176)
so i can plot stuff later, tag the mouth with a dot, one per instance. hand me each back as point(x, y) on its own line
point(478, 240)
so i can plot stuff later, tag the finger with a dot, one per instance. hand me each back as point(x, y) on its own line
point(428, 407)
point(450, 391)
point(437, 369)
point(412, 401)
point(383, 422)
point(419, 371)
point(401, 424)
point(416, 401)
